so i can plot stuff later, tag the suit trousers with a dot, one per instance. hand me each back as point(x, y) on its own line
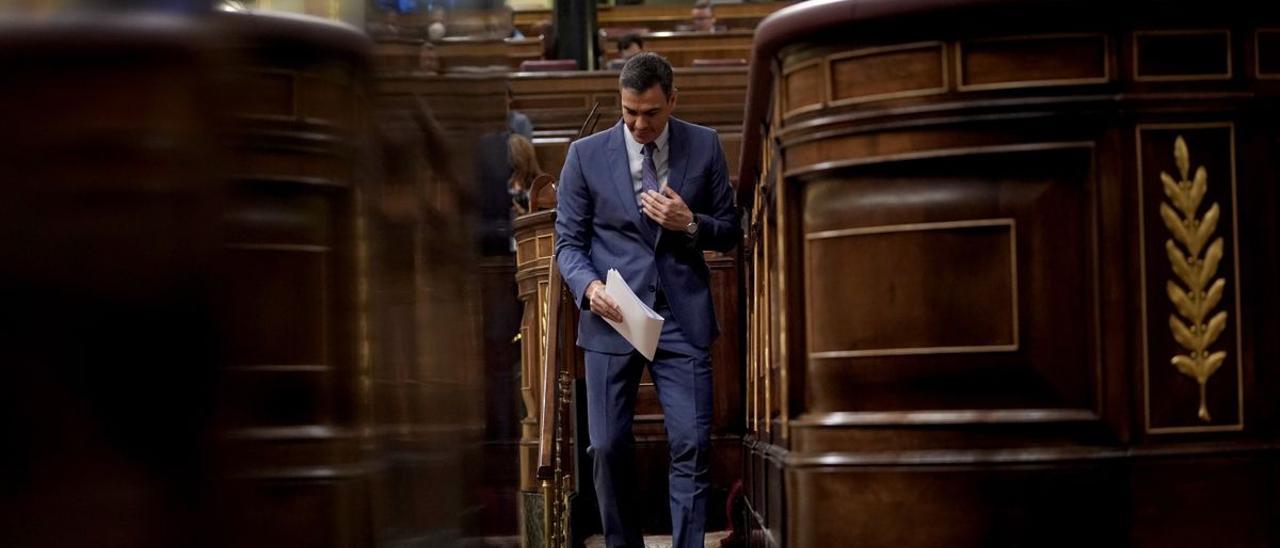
point(682, 375)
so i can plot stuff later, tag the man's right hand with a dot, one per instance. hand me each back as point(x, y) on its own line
point(601, 303)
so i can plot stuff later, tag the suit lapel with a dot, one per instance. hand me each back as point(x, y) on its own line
point(677, 155)
point(621, 175)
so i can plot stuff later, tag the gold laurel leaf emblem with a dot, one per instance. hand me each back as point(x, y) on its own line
point(1198, 293)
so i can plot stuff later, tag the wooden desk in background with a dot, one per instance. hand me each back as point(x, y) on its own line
point(681, 48)
point(658, 18)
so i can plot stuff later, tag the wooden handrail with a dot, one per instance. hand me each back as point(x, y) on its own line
point(547, 425)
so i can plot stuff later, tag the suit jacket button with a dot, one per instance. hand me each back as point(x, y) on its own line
point(652, 288)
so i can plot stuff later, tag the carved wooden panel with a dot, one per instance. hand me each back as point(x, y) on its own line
point(924, 303)
point(1178, 55)
point(1267, 53)
point(1040, 60)
point(802, 87)
point(887, 72)
point(973, 301)
point(1191, 311)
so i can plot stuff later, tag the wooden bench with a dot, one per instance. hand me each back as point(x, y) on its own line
point(682, 48)
point(657, 18)
point(456, 53)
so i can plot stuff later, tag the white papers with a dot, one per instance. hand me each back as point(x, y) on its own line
point(640, 325)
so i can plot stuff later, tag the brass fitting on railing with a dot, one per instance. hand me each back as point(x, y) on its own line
point(548, 518)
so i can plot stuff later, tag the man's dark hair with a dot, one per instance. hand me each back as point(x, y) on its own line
point(628, 39)
point(644, 70)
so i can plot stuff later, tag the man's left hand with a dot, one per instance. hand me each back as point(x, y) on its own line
point(666, 208)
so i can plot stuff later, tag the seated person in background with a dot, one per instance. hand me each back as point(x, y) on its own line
point(428, 61)
point(547, 31)
point(511, 20)
point(628, 46)
point(517, 122)
point(524, 169)
point(703, 17)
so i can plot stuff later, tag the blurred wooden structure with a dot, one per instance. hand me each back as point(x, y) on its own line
point(245, 315)
point(296, 400)
point(348, 301)
point(469, 113)
point(659, 17)
point(977, 242)
point(107, 245)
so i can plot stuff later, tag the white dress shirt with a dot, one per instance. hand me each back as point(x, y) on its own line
point(635, 158)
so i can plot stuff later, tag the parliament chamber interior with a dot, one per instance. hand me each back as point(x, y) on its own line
point(282, 273)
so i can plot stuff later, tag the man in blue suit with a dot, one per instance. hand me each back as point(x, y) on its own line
point(646, 197)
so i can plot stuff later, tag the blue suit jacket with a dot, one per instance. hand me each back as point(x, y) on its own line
point(599, 226)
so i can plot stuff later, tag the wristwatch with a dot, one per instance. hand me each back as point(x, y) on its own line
point(692, 228)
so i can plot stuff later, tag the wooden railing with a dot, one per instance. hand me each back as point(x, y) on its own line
point(555, 447)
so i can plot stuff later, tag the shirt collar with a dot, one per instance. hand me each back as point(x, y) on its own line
point(634, 146)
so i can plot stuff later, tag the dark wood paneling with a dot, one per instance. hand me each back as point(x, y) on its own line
point(1210, 501)
point(1182, 55)
point(1267, 52)
point(951, 378)
point(289, 334)
point(928, 300)
point(954, 332)
point(962, 506)
point(1034, 60)
point(877, 73)
point(803, 87)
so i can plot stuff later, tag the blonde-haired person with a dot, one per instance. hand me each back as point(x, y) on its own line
point(524, 169)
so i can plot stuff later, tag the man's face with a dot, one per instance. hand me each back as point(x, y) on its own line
point(703, 19)
point(631, 51)
point(646, 113)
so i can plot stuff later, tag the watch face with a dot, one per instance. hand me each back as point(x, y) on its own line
point(691, 227)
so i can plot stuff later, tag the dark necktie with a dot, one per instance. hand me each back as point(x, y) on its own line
point(649, 179)
point(648, 169)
